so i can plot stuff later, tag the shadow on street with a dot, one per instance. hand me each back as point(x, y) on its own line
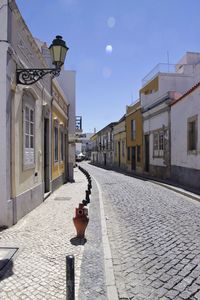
point(78, 241)
point(6, 268)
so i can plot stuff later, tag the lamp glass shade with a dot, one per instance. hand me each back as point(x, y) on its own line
point(63, 54)
point(58, 50)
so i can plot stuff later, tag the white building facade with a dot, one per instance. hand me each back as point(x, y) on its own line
point(22, 170)
point(156, 127)
point(26, 120)
point(185, 139)
point(159, 89)
point(103, 146)
point(67, 81)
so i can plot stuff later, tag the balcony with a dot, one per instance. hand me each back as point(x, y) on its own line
point(163, 68)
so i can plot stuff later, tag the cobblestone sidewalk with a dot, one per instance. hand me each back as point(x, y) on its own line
point(92, 282)
point(43, 238)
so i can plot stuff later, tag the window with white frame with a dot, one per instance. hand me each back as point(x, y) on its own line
point(158, 143)
point(61, 144)
point(133, 130)
point(28, 131)
point(55, 141)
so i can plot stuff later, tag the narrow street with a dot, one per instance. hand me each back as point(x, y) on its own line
point(154, 236)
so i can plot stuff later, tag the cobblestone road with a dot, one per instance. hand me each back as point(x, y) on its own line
point(155, 238)
point(43, 238)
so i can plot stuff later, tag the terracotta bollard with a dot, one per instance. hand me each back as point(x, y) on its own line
point(81, 220)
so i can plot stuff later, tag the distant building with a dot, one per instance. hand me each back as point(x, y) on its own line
point(79, 127)
point(67, 81)
point(103, 146)
point(134, 137)
point(84, 144)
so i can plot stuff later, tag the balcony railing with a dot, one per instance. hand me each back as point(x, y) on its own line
point(161, 68)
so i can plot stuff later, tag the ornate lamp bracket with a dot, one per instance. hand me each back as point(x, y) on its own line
point(30, 76)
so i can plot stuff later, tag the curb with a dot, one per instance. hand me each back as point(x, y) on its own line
point(108, 264)
point(174, 188)
point(177, 190)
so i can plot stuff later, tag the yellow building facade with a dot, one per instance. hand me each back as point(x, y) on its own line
point(134, 138)
point(150, 87)
point(119, 134)
point(59, 137)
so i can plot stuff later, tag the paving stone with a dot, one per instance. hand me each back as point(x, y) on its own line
point(185, 295)
point(165, 277)
point(181, 286)
point(172, 294)
point(157, 284)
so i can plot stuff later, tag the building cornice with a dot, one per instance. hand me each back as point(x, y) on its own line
point(13, 6)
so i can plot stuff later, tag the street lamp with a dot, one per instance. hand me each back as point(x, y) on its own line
point(58, 51)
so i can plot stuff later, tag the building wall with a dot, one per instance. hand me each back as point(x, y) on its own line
point(166, 82)
point(94, 147)
point(67, 81)
point(157, 118)
point(103, 144)
point(60, 121)
point(185, 164)
point(58, 168)
point(26, 178)
point(119, 134)
point(24, 186)
point(134, 113)
point(150, 87)
point(5, 95)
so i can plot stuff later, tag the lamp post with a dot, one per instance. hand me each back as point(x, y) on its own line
point(58, 51)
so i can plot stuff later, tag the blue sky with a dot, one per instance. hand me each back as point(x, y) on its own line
point(142, 33)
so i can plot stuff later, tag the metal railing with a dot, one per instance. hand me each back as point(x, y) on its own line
point(161, 68)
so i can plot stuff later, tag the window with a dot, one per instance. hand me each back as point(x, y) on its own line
point(192, 133)
point(128, 153)
point(61, 145)
point(28, 132)
point(158, 144)
point(133, 129)
point(161, 140)
point(55, 143)
point(138, 154)
point(155, 141)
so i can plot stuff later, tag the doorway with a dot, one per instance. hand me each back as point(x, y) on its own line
point(104, 159)
point(46, 157)
point(66, 158)
point(119, 154)
point(146, 143)
point(133, 157)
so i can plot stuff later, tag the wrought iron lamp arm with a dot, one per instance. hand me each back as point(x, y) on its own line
point(30, 76)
